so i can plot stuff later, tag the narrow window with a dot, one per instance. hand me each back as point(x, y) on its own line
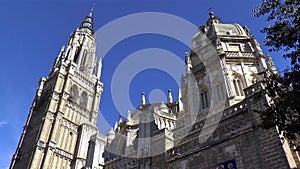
point(83, 61)
point(239, 83)
point(83, 99)
point(238, 86)
point(76, 55)
point(204, 100)
point(74, 92)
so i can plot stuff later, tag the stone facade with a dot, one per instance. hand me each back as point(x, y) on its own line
point(212, 125)
point(61, 125)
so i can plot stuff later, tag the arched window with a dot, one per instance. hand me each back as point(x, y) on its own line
point(84, 57)
point(76, 55)
point(238, 85)
point(74, 92)
point(83, 99)
point(204, 97)
point(68, 52)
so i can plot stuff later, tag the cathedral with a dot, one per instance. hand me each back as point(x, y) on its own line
point(212, 125)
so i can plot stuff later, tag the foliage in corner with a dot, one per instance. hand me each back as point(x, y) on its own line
point(284, 105)
point(283, 34)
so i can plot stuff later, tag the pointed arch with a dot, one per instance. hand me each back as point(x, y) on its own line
point(74, 92)
point(84, 58)
point(238, 84)
point(204, 100)
point(84, 99)
point(77, 51)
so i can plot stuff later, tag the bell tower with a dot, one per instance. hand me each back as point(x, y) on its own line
point(64, 113)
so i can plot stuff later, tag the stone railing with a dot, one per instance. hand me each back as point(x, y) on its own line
point(235, 109)
point(233, 122)
point(63, 153)
point(168, 115)
point(227, 113)
point(121, 162)
point(81, 77)
point(221, 134)
point(253, 89)
point(239, 54)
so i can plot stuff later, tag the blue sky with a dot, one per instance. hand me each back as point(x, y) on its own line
point(32, 33)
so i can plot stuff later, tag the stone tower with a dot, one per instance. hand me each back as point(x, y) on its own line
point(60, 131)
point(225, 59)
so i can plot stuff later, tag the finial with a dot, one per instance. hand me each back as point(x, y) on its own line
point(128, 115)
point(186, 52)
point(143, 100)
point(180, 104)
point(116, 126)
point(120, 120)
point(99, 67)
point(188, 62)
point(92, 9)
point(213, 19)
point(179, 94)
point(62, 48)
point(170, 98)
point(211, 14)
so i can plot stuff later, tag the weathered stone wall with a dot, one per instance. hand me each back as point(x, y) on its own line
point(237, 142)
point(238, 137)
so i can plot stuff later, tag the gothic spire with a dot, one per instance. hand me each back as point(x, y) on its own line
point(87, 24)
